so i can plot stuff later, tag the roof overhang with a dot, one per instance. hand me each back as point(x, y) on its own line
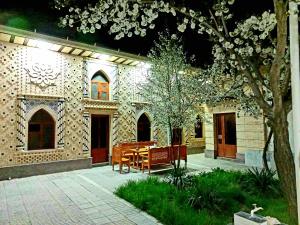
point(33, 39)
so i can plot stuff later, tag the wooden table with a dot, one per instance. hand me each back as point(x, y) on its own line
point(137, 153)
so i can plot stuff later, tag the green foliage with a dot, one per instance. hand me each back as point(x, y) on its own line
point(179, 178)
point(227, 196)
point(173, 89)
point(262, 181)
point(205, 199)
point(171, 86)
point(165, 202)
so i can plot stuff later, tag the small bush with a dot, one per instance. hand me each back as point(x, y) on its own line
point(218, 191)
point(261, 181)
point(179, 178)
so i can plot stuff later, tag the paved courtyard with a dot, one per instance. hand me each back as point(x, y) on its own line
point(80, 197)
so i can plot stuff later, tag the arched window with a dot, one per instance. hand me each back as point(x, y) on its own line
point(177, 136)
point(198, 127)
point(41, 131)
point(143, 128)
point(99, 87)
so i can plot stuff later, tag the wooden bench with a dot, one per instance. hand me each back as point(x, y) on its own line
point(174, 153)
point(119, 157)
point(141, 144)
point(156, 156)
point(164, 155)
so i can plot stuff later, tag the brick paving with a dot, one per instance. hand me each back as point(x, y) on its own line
point(82, 197)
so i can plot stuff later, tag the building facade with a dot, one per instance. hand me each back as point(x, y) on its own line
point(65, 104)
point(235, 136)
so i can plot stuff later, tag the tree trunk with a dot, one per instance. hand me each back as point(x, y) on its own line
point(266, 166)
point(284, 160)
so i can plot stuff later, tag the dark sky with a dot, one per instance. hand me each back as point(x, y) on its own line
point(40, 15)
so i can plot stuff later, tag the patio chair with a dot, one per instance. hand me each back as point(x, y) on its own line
point(119, 157)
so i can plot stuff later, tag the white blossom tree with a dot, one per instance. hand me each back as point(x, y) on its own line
point(253, 63)
point(172, 88)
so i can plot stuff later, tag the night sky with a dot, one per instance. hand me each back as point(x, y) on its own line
point(40, 15)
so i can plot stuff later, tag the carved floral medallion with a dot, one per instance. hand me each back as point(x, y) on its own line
point(42, 75)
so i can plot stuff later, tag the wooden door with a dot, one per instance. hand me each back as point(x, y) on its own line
point(100, 138)
point(226, 135)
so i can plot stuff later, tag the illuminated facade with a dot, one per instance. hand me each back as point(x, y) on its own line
point(63, 104)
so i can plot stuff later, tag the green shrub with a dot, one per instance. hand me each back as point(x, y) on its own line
point(179, 178)
point(166, 203)
point(209, 198)
point(218, 191)
point(261, 181)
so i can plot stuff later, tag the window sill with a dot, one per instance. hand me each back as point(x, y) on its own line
point(43, 150)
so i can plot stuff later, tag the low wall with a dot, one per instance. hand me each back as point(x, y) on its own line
point(44, 168)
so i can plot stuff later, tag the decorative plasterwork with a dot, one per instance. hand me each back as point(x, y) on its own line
point(43, 97)
point(86, 132)
point(42, 75)
point(103, 105)
point(140, 105)
point(26, 104)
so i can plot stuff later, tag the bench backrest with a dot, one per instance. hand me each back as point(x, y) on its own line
point(140, 144)
point(159, 155)
point(174, 152)
point(117, 153)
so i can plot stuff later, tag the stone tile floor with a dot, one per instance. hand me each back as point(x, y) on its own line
point(82, 197)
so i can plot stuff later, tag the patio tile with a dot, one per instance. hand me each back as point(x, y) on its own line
point(103, 220)
point(82, 197)
point(124, 222)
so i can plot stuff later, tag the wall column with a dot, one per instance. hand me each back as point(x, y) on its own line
point(21, 123)
point(86, 133)
point(295, 82)
point(115, 128)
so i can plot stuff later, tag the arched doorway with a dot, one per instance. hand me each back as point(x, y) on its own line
point(100, 138)
point(143, 128)
point(41, 131)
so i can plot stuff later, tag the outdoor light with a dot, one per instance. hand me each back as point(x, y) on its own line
point(19, 40)
point(5, 37)
point(44, 45)
point(104, 57)
point(76, 51)
point(86, 53)
point(95, 55)
point(145, 65)
point(135, 63)
point(55, 47)
point(32, 43)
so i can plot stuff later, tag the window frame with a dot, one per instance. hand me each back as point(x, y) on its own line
point(100, 87)
point(202, 130)
point(54, 128)
point(100, 90)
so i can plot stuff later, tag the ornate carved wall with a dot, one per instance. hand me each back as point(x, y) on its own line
point(9, 59)
point(126, 119)
point(73, 89)
point(33, 78)
point(129, 80)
